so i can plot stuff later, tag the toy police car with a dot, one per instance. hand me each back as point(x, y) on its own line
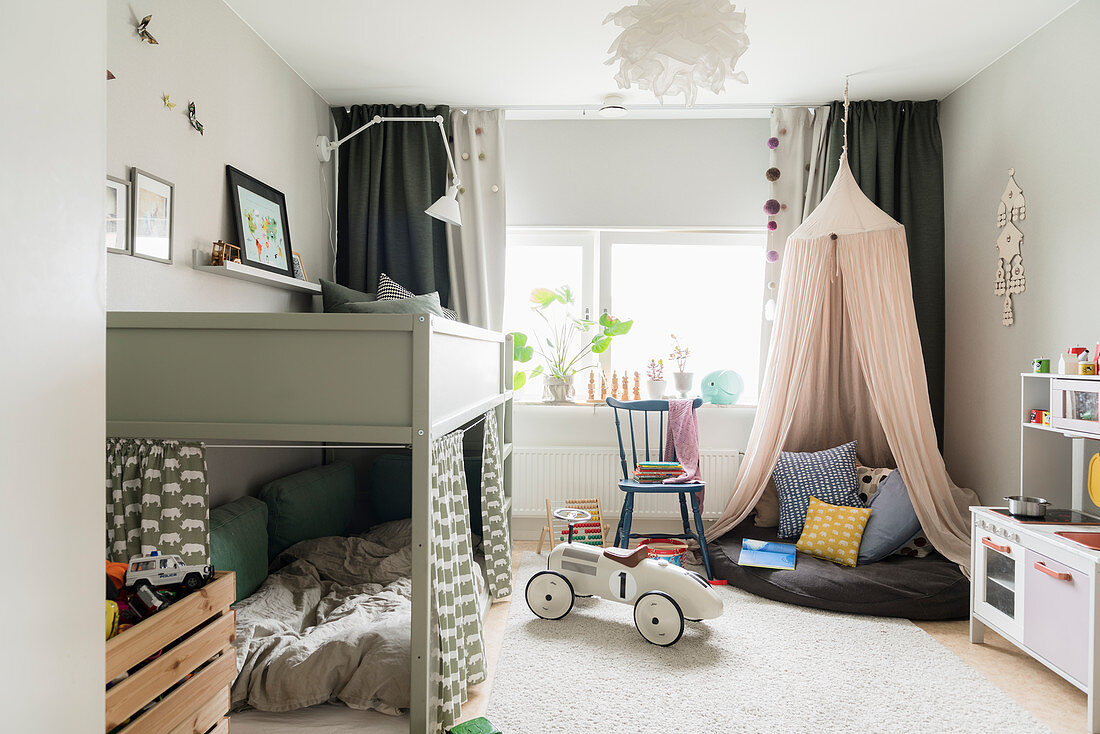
point(157, 570)
point(663, 595)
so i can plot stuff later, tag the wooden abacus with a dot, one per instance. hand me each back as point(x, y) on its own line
point(590, 532)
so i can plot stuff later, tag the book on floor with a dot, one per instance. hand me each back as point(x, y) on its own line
point(766, 554)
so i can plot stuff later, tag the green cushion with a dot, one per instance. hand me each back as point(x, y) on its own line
point(427, 303)
point(334, 294)
point(314, 503)
point(389, 490)
point(238, 542)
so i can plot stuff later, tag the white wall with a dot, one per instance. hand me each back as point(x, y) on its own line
point(51, 403)
point(631, 173)
point(259, 116)
point(1036, 109)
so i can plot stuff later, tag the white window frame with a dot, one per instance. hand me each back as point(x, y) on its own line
point(597, 242)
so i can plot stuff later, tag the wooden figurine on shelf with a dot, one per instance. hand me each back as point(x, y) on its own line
point(603, 387)
point(591, 387)
point(223, 252)
point(614, 386)
point(637, 387)
point(626, 385)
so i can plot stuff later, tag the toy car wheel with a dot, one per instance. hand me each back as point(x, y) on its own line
point(549, 595)
point(658, 618)
point(192, 581)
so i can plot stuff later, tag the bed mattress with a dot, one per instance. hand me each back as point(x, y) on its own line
point(927, 588)
point(327, 717)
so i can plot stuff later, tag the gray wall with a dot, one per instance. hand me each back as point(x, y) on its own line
point(51, 402)
point(1036, 109)
point(259, 117)
point(632, 173)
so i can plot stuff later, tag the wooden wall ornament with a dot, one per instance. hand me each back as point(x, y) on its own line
point(1009, 276)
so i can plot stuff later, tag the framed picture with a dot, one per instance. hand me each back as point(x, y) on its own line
point(153, 201)
point(116, 215)
point(259, 215)
point(299, 268)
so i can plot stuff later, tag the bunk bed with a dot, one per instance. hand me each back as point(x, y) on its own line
point(347, 379)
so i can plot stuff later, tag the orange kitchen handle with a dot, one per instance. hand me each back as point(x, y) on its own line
point(1040, 566)
point(999, 548)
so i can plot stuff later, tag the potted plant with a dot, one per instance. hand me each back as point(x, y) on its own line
point(681, 378)
point(655, 384)
point(564, 343)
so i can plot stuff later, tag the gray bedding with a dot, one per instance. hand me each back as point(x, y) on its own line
point(332, 624)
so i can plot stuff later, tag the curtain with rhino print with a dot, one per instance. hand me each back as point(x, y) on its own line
point(157, 499)
point(497, 544)
point(457, 640)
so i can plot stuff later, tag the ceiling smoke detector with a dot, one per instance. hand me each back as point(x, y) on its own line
point(612, 106)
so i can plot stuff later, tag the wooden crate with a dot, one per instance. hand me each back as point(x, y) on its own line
point(199, 631)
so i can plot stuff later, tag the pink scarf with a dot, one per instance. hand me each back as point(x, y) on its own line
point(683, 438)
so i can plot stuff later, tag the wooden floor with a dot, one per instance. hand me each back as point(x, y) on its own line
point(1046, 695)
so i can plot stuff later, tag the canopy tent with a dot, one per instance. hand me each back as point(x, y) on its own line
point(845, 363)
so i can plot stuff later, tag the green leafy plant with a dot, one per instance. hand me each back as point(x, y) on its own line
point(566, 340)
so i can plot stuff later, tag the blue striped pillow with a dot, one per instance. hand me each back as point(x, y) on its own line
point(829, 475)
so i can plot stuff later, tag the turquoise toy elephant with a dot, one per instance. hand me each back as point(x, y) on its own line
point(722, 387)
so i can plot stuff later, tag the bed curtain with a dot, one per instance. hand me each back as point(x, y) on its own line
point(497, 543)
point(456, 618)
point(157, 499)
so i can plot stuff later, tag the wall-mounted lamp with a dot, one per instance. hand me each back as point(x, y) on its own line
point(446, 207)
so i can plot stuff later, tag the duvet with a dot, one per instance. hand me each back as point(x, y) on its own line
point(331, 624)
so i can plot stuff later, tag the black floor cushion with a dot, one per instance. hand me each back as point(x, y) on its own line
point(914, 588)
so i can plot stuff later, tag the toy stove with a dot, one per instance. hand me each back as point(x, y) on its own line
point(1052, 517)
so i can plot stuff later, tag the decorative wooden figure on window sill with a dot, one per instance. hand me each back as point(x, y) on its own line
point(603, 387)
point(614, 386)
point(626, 385)
point(591, 387)
point(637, 387)
point(1009, 276)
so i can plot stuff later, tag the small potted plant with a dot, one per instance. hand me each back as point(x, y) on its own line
point(655, 384)
point(681, 378)
point(566, 342)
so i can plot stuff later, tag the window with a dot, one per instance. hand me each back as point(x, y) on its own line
point(706, 287)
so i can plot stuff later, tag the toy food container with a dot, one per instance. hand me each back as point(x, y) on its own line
point(1040, 365)
point(1086, 368)
point(1035, 416)
point(1045, 417)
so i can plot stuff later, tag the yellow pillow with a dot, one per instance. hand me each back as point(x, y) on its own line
point(833, 532)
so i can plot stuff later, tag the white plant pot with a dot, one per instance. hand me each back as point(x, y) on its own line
point(655, 389)
point(683, 381)
point(558, 390)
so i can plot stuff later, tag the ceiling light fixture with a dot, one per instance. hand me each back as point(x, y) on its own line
point(674, 47)
point(446, 207)
point(612, 106)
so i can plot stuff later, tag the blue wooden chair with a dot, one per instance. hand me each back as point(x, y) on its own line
point(631, 487)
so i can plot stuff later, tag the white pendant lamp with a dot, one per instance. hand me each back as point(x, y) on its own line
point(446, 207)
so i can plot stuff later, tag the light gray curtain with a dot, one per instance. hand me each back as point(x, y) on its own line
point(816, 185)
point(458, 641)
point(476, 249)
point(157, 499)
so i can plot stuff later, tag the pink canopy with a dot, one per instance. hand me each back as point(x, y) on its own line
point(845, 363)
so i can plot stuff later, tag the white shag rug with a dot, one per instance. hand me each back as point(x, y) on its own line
point(763, 666)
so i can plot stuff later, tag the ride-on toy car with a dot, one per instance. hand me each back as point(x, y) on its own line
point(663, 594)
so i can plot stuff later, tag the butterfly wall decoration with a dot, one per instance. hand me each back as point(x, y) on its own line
point(143, 31)
point(167, 101)
point(191, 116)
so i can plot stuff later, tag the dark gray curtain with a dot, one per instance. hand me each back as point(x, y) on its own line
point(388, 176)
point(895, 153)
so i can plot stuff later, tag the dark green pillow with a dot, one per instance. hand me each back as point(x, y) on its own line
point(389, 490)
point(238, 542)
point(314, 503)
point(334, 294)
point(427, 303)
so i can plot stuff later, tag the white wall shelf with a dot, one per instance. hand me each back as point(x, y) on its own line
point(201, 261)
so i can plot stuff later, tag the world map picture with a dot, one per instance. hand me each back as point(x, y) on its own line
point(262, 225)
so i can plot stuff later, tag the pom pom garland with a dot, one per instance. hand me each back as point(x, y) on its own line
point(772, 174)
point(772, 256)
point(773, 143)
point(771, 207)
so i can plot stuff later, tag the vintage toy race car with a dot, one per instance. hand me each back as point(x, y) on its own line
point(663, 594)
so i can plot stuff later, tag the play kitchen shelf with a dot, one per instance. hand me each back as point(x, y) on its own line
point(1038, 590)
point(188, 680)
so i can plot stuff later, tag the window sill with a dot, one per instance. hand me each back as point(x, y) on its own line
point(705, 406)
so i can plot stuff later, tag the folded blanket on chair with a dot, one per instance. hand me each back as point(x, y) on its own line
point(682, 443)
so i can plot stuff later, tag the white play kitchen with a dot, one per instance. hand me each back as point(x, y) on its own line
point(1035, 573)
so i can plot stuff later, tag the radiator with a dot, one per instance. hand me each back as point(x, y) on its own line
point(569, 472)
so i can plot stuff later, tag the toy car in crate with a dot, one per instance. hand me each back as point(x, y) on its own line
point(160, 570)
point(663, 594)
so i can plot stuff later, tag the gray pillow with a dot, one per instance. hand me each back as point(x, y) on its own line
point(334, 294)
point(427, 303)
point(893, 521)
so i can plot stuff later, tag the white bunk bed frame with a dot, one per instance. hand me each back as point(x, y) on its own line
point(395, 380)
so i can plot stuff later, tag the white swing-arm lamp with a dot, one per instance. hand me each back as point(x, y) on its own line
point(446, 207)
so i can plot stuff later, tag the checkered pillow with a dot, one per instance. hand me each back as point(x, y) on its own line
point(828, 475)
point(869, 480)
point(390, 290)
